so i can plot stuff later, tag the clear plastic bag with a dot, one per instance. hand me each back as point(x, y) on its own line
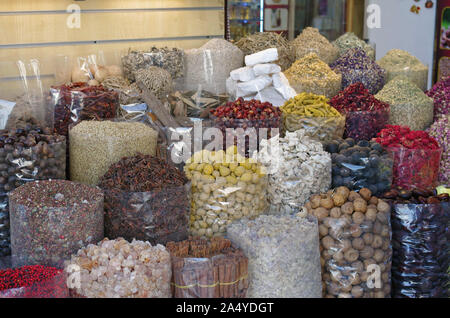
point(416, 168)
point(420, 242)
point(76, 102)
point(356, 251)
point(19, 165)
point(208, 269)
point(365, 125)
point(297, 167)
point(51, 220)
point(233, 136)
point(170, 59)
point(418, 76)
point(362, 165)
point(323, 129)
point(205, 68)
point(223, 192)
point(50, 287)
point(283, 255)
point(22, 93)
point(158, 216)
point(96, 145)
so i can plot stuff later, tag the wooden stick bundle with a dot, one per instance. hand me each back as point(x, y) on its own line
point(208, 269)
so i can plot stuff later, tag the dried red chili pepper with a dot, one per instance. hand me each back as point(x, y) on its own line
point(365, 115)
point(78, 101)
point(246, 115)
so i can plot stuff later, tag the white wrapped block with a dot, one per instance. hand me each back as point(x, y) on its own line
point(243, 74)
point(231, 86)
point(281, 84)
point(266, 69)
point(250, 97)
point(266, 56)
point(271, 95)
point(254, 86)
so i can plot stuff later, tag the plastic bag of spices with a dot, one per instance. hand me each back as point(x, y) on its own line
point(146, 199)
point(76, 102)
point(313, 114)
point(283, 255)
point(33, 282)
point(355, 243)
point(208, 269)
point(27, 153)
point(420, 236)
point(22, 92)
point(225, 187)
point(96, 145)
point(52, 219)
point(205, 68)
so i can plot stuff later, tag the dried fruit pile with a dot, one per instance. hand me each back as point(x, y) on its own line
point(355, 231)
point(416, 156)
point(365, 115)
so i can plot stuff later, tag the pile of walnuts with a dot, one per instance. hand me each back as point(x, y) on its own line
point(355, 243)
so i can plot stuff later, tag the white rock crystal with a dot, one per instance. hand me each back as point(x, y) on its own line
point(298, 167)
point(119, 269)
point(283, 253)
point(260, 79)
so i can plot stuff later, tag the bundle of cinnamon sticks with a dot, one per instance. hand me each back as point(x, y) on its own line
point(208, 269)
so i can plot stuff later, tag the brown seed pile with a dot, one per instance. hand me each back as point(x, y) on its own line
point(355, 232)
point(310, 74)
point(401, 63)
point(96, 145)
point(311, 41)
point(156, 79)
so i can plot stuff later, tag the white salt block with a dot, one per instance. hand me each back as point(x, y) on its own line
point(266, 56)
point(255, 85)
point(266, 69)
point(281, 84)
point(231, 86)
point(271, 95)
point(243, 74)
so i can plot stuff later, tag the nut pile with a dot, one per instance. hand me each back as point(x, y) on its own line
point(355, 237)
point(361, 164)
point(349, 40)
point(170, 59)
point(283, 253)
point(52, 219)
point(311, 41)
point(409, 105)
point(225, 187)
point(27, 153)
point(401, 63)
point(119, 269)
point(311, 75)
point(356, 67)
point(96, 145)
point(265, 40)
point(297, 167)
point(313, 114)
